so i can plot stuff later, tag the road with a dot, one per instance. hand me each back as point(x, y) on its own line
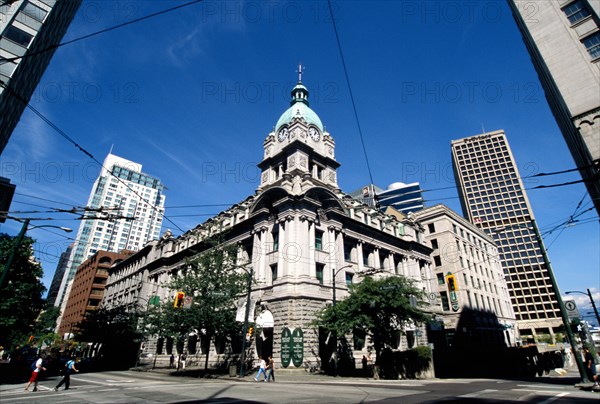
point(148, 387)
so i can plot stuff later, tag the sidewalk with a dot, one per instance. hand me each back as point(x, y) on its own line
point(569, 376)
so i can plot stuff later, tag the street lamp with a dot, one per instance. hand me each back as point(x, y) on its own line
point(335, 272)
point(589, 294)
point(333, 280)
point(245, 330)
point(17, 244)
point(561, 305)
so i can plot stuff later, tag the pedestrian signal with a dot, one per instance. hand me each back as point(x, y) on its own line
point(451, 281)
point(178, 302)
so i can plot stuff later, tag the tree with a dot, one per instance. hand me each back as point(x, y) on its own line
point(377, 307)
point(21, 297)
point(45, 324)
point(213, 280)
point(113, 332)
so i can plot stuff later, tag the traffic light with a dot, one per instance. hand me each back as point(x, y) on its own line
point(178, 302)
point(250, 331)
point(451, 281)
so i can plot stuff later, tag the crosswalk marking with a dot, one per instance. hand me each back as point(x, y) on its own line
point(477, 393)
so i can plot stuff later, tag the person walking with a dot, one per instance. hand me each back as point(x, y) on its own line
point(172, 361)
point(183, 359)
point(261, 369)
point(271, 368)
point(66, 380)
point(35, 373)
point(590, 366)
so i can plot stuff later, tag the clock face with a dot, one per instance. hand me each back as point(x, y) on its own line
point(282, 135)
point(314, 134)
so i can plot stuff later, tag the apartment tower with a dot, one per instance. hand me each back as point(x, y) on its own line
point(126, 208)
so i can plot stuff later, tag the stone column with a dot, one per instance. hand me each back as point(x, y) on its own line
point(359, 256)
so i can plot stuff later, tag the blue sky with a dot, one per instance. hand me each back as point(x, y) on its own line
point(192, 94)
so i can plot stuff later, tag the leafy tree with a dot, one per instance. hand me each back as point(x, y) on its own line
point(45, 324)
point(113, 332)
point(46, 321)
point(213, 280)
point(21, 296)
point(377, 307)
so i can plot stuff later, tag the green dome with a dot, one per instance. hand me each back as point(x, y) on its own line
point(302, 110)
point(299, 108)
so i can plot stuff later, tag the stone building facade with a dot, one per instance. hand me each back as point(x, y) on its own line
point(463, 251)
point(303, 238)
point(563, 40)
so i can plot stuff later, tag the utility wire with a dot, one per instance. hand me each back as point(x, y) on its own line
point(102, 31)
point(362, 141)
point(62, 133)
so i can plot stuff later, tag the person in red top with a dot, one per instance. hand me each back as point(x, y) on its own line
point(38, 367)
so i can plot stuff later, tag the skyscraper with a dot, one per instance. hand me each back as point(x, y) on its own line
point(29, 33)
point(563, 40)
point(61, 267)
point(493, 197)
point(126, 208)
point(403, 197)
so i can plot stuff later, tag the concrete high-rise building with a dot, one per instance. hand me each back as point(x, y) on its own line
point(122, 191)
point(61, 267)
point(29, 33)
point(563, 40)
point(493, 198)
point(403, 197)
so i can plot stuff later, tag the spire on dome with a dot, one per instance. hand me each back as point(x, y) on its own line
point(299, 92)
point(299, 105)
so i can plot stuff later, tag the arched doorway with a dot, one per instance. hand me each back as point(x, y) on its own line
point(264, 334)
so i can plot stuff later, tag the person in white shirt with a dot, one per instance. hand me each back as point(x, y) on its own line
point(38, 367)
point(261, 369)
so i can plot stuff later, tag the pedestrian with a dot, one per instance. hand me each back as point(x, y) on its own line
point(66, 380)
point(261, 369)
point(172, 361)
point(271, 368)
point(37, 368)
point(183, 358)
point(590, 366)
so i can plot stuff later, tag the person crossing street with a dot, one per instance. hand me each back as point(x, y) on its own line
point(66, 380)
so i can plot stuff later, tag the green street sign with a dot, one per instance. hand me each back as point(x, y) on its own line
point(297, 347)
point(286, 347)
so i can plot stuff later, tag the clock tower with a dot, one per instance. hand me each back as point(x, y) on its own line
point(299, 153)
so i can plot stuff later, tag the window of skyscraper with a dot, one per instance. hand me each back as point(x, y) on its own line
point(592, 44)
point(34, 12)
point(576, 11)
point(18, 35)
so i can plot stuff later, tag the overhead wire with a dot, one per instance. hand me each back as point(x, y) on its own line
point(62, 133)
point(339, 45)
point(102, 31)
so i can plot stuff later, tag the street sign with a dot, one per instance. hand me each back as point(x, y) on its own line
point(297, 347)
point(286, 347)
point(187, 302)
point(571, 308)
